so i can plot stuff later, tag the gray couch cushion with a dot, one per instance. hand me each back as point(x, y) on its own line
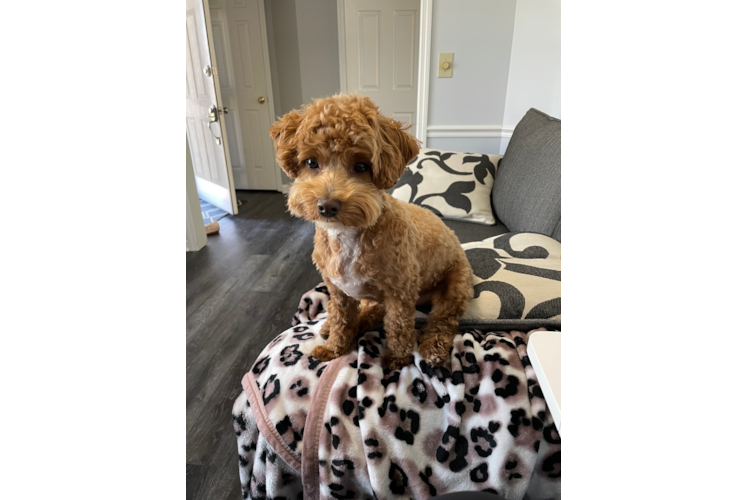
point(527, 193)
point(557, 232)
point(469, 231)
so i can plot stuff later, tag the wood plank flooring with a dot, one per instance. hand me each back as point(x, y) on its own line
point(242, 290)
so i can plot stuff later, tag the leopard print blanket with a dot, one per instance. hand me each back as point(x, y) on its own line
point(347, 429)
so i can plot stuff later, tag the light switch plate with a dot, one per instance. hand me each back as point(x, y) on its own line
point(445, 57)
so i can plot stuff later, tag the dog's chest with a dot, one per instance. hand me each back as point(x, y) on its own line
point(344, 275)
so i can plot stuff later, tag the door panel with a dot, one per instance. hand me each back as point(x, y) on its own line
point(191, 85)
point(368, 50)
point(211, 157)
point(195, 55)
point(231, 132)
point(251, 121)
point(220, 42)
point(242, 24)
point(404, 54)
point(406, 117)
point(382, 54)
point(214, 175)
point(245, 54)
point(228, 91)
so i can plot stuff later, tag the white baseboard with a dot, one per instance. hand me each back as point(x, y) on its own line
point(468, 131)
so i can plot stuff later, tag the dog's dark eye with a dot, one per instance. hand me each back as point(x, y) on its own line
point(361, 167)
point(312, 163)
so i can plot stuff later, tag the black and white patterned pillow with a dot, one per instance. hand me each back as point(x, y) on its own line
point(515, 276)
point(452, 185)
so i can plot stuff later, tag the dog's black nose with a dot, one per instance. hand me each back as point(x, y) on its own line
point(329, 208)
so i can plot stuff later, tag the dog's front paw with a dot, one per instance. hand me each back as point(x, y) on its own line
point(324, 353)
point(434, 350)
point(392, 362)
point(324, 331)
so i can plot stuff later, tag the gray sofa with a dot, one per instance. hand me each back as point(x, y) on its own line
point(526, 195)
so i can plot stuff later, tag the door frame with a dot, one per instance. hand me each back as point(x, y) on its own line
point(424, 69)
point(424, 63)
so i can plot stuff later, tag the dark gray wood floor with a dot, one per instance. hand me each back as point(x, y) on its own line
point(242, 290)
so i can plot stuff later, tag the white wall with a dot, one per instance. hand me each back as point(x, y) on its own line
point(484, 145)
point(318, 48)
point(479, 33)
point(303, 47)
point(269, 24)
point(285, 51)
point(535, 70)
point(507, 59)
point(303, 50)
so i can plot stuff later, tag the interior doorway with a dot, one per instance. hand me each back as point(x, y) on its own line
point(240, 40)
point(229, 100)
point(205, 124)
point(255, 60)
point(241, 46)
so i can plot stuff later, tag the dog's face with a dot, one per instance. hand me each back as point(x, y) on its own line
point(342, 154)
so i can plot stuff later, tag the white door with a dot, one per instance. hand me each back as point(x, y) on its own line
point(210, 154)
point(381, 47)
point(240, 37)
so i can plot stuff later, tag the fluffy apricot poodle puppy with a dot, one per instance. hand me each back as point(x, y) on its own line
point(378, 256)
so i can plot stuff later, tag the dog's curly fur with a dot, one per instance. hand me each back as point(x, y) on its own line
point(378, 256)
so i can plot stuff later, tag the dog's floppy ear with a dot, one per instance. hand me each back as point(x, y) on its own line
point(398, 148)
point(283, 133)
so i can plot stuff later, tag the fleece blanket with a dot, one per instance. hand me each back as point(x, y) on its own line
point(348, 429)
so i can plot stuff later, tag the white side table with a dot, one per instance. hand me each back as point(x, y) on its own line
point(544, 351)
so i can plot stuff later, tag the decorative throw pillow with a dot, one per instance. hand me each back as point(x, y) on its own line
point(515, 276)
point(527, 194)
point(452, 185)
